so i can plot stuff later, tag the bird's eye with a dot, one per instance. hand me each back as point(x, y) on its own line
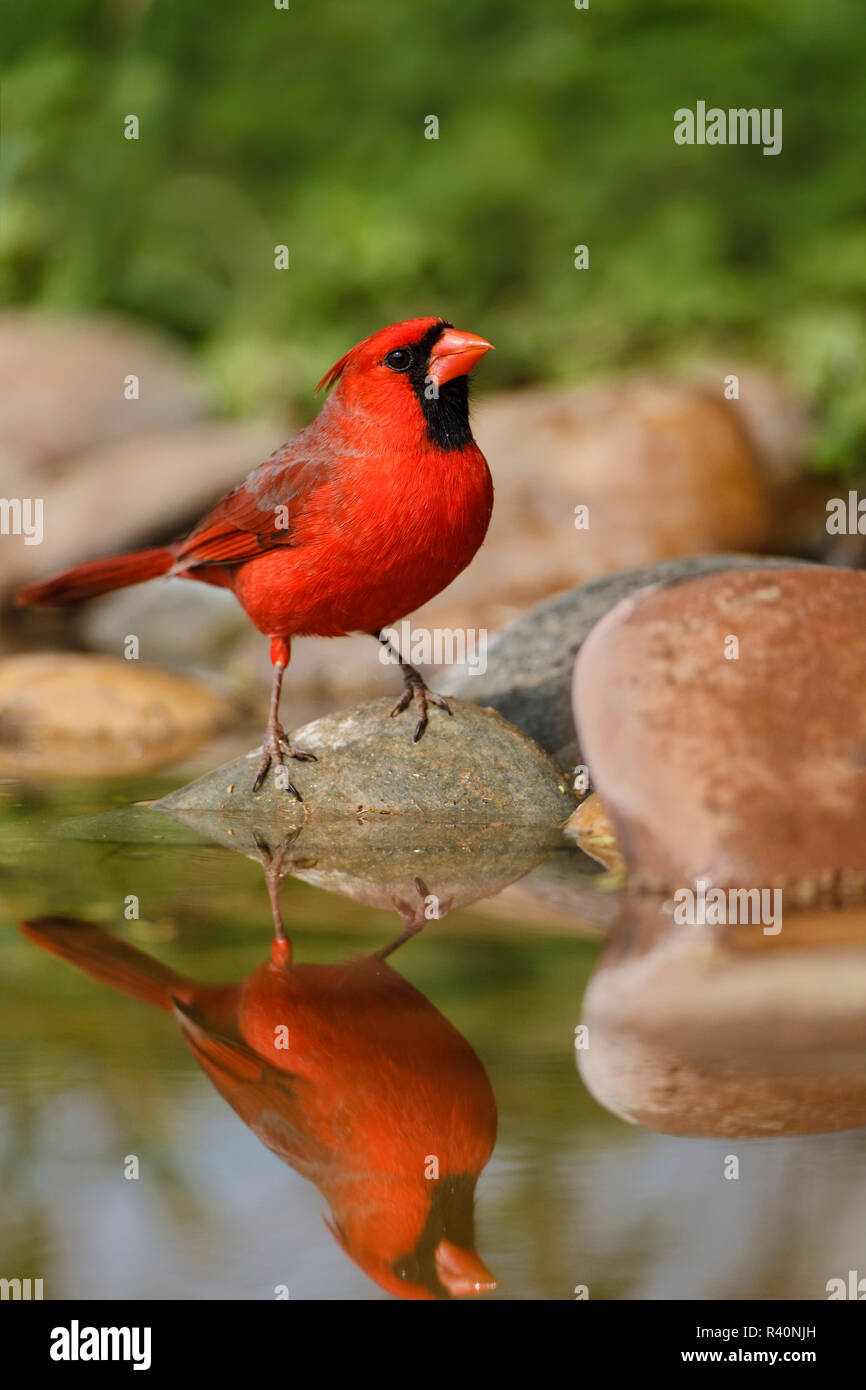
point(399, 359)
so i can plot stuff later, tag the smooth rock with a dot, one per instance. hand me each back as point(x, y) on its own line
point(67, 715)
point(531, 661)
point(473, 767)
point(63, 384)
point(750, 772)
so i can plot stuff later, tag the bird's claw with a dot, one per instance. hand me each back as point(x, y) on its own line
point(275, 749)
point(416, 692)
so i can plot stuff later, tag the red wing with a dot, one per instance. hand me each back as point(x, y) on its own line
point(257, 516)
point(268, 1100)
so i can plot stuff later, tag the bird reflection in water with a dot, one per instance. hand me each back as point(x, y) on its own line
point(348, 1074)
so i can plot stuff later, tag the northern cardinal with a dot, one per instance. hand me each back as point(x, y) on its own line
point(363, 517)
point(348, 1074)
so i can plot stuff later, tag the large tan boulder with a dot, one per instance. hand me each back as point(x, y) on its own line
point(723, 720)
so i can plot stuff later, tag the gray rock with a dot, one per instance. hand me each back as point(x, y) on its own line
point(530, 662)
point(472, 807)
point(472, 768)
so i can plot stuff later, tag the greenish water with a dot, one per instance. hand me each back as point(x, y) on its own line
point(572, 1195)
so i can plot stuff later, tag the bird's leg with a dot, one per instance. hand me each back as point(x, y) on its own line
point(277, 746)
point(274, 867)
point(415, 691)
point(415, 918)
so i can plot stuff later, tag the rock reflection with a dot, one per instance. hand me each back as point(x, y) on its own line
point(419, 870)
point(348, 1074)
point(729, 1032)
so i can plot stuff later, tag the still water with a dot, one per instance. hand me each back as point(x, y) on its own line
point(274, 1137)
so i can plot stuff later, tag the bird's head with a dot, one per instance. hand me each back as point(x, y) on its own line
point(414, 373)
point(416, 1240)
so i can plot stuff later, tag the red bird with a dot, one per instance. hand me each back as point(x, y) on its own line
point(363, 517)
point(348, 1074)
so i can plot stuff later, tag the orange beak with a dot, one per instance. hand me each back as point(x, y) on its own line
point(455, 354)
point(462, 1272)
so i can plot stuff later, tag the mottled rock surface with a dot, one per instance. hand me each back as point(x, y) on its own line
point(748, 771)
point(473, 767)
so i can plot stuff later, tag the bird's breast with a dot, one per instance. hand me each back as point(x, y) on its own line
point(372, 545)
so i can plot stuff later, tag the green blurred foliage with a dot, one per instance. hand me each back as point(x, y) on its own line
point(306, 127)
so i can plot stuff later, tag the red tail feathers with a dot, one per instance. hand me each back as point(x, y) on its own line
point(107, 959)
point(98, 577)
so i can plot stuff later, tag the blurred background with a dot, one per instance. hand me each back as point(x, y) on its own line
point(305, 127)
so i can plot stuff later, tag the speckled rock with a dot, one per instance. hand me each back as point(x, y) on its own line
point(67, 715)
point(530, 662)
point(473, 767)
point(747, 769)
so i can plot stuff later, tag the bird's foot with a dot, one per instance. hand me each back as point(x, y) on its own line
point(275, 749)
point(416, 691)
point(415, 916)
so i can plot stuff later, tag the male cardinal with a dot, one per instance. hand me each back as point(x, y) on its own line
point(348, 1074)
point(364, 516)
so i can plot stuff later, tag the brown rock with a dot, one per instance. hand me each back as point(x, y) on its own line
point(63, 384)
point(775, 420)
point(530, 663)
point(749, 772)
point(665, 470)
point(65, 715)
point(592, 829)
